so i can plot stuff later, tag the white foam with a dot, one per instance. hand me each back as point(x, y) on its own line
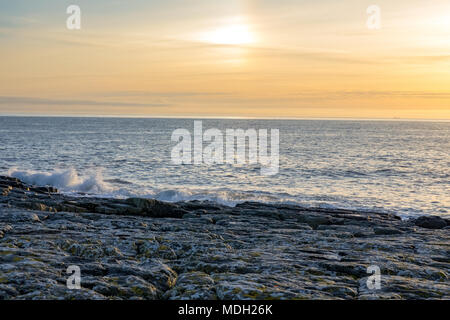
point(66, 180)
point(92, 183)
point(224, 198)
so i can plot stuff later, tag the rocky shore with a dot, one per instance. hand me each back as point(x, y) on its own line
point(147, 249)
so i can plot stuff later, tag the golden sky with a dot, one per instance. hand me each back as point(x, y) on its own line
point(234, 58)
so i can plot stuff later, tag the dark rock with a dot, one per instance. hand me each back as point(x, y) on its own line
point(430, 222)
point(135, 249)
point(386, 231)
point(44, 190)
point(315, 220)
point(155, 208)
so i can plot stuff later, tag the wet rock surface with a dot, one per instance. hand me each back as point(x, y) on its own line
point(147, 249)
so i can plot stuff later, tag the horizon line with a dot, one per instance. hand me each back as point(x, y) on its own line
point(216, 117)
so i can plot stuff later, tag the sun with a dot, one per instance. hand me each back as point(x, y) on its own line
point(235, 34)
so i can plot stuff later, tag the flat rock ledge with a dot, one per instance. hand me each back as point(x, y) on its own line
point(147, 249)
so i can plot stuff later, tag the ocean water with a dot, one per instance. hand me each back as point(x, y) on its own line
point(389, 166)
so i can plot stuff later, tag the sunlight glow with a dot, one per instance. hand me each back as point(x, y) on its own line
point(230, 35)
point(442, 21)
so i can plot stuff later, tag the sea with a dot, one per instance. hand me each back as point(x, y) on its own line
point(400, 167)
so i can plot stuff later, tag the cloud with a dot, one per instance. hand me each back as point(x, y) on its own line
point(8, 100)
point(371, 94)
point(427, 59)
point(169, 94)
point(9, 22)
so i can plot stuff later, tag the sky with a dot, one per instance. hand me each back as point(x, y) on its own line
point(234, 58)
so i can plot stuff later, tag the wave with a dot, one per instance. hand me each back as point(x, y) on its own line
point(222, 196)
point(119, 181)
point(92, 184)
point(66, 180)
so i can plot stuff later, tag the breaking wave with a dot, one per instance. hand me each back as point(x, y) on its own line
point(66, 180)
point(92, 183)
